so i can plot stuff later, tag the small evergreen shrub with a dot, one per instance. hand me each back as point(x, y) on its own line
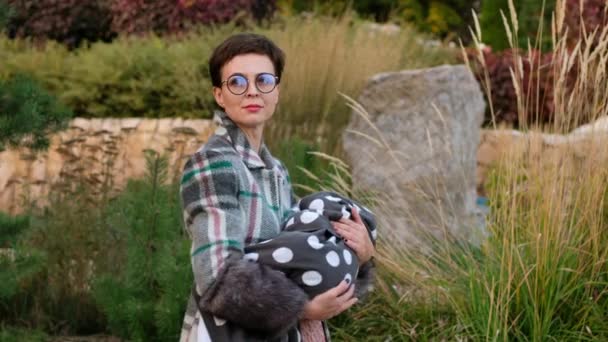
point(144, 296)
point(28, 113)
point(17, 263)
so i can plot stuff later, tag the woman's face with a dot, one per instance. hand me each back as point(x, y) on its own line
point(253, 108)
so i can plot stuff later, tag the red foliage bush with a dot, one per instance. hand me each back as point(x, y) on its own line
point(594, 17)
point(67, 21)
point(173, 16)
point(536, 84)
point(74, 21)
point(539, 70)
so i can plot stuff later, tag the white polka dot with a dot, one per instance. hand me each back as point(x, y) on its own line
point(333, 199)
point(375, 234)
point(348, 278)
point(282, 255)
point(345, 213)
point(290, 222)
point(312, 278)
point(347, 257)
point(317, 205)
point(333, 259)
point(308, 216)
point(313, 241)
point(219, 321)
point(221, 130)
point(251, 256)
point(332, 240)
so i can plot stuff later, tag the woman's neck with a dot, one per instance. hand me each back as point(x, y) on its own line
point(254, 135)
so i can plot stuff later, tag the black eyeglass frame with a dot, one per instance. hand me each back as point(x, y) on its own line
point(276, 78)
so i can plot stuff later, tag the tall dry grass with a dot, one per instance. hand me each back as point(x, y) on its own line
point(328, 56)
point(542, 273)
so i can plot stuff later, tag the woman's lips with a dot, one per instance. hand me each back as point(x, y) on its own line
point(253, 108)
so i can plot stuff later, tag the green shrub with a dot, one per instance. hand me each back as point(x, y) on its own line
point(148, 77)
point(6, 13)
point(528, 14)
point(76, 241)
point(492, 26)
point(18, 263)
point(445, 19)
point(442, 19)
point(28, 113)
point(144, 296)
point(9, 334)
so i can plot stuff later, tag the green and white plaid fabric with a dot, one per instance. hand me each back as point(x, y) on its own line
point(231, 197)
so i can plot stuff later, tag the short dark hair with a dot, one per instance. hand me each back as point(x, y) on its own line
point(240, 44)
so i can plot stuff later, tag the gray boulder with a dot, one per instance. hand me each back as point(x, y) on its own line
point(412, 140)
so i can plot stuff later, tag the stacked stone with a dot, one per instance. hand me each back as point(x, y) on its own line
point(104, 153)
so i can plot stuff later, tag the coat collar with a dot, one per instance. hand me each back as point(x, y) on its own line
point(230, 131)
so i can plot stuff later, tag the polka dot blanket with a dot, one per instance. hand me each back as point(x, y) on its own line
point(308, 250)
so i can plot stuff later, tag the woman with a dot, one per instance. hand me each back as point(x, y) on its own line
point(235, 193)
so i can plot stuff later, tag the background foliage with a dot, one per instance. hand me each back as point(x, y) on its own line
point(28, 113)
point(75, 267)
point(539, 66)
point(73, 22)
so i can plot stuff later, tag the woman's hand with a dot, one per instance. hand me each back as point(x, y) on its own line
point(330, 303)
point(355, 236)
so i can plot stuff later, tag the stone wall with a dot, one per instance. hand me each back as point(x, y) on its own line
point(87, 145)
point(98, 151)
point(587, 144)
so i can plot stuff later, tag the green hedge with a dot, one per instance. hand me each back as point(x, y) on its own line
point(130, 77)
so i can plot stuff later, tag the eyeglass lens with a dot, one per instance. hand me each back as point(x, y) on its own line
point(265, 83)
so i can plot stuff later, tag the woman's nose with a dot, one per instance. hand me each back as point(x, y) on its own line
point(252, 90)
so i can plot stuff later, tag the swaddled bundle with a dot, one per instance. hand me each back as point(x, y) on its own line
point(308, 249)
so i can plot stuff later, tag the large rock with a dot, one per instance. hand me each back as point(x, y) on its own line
point(415, 144)
point(100, 152)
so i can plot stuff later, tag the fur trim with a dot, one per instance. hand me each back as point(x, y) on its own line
point(365, 280)
point(255, 297)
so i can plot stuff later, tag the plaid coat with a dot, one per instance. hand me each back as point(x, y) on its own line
point(233, 197)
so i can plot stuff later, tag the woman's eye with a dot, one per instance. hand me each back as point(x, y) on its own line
point(266, 79)
point(237, 81)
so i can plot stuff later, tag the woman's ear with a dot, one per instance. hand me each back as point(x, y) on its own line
point(217, 94)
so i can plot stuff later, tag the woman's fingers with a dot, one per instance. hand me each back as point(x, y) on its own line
point(346, 300)
point(356, 216)
point(339, 290)
point(354, 245)
point(343, 224)
point(348, 294)
point(347, 235)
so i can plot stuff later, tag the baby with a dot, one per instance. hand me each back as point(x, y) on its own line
point(308, 249)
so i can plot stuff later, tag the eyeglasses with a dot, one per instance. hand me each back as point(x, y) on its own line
point(264, 82)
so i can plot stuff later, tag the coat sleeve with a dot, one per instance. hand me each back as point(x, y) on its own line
point(246, 293)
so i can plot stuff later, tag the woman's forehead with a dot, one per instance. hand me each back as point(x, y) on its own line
point(248, 64)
